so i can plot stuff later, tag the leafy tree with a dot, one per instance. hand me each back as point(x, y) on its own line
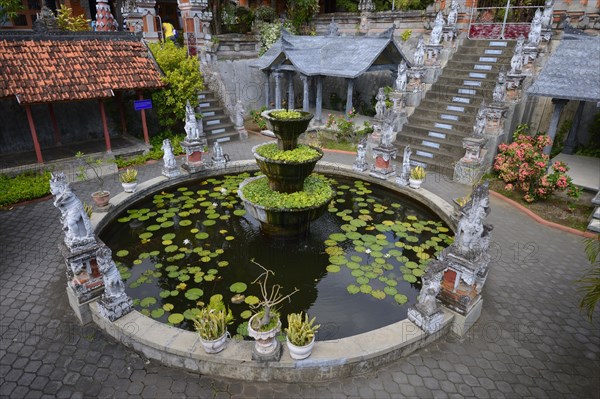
point(9, 9)
point(301, 13)
point(66, 20)
point(182, 74)
point(590, 282)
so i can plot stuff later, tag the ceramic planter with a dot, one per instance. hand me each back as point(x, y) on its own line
point(214, 346)
point(415, 183)
point(101, 198)
point(265, 340)
point(300, 352)
point(129, 187)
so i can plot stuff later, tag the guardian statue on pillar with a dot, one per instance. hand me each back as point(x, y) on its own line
point(402, 79)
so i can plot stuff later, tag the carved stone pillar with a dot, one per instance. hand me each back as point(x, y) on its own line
point(305, 95)
point(319, 99)
point(150, 27)
point(196, 26)
point(277, 76)
point(291, 94)
point(559, 105)
point(267, 89)
point(349, 95)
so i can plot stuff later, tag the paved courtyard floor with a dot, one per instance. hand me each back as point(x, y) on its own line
point(531, 340)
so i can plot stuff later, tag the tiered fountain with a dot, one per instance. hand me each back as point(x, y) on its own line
point(287, 198)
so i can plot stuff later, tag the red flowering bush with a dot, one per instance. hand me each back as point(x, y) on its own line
point(523, 166)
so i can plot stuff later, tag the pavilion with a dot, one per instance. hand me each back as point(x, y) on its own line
point(332, 55)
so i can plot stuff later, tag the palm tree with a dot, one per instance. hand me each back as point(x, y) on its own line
point(590, 282)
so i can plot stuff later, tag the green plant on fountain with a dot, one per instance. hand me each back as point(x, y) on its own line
point(289, 197)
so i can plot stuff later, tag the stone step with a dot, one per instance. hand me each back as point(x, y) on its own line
point(440, 125)
point(450, 80)
point(440, 156)
point(470, 74)
point(484, 67)
point(218, 128)
point(444, 115)
point(230, 135)
point(208, 103)
point(205, 95)
point(435, 139)
point(432, 105)
point(431, 166)
point(594, 225)
point(489, 43)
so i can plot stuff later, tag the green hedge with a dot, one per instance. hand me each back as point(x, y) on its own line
point(23, 187)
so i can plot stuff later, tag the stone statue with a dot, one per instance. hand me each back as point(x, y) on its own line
point(419, 56)
point(535, 30)
point(547, 14)
point(333, 29)
point(453, 14)
point(499, 93)
point(516, 62)
point(114, 303)
point(360, 164)
point(191, 124)
point(366, 6)
point(402, 79)
point(405, 174)
point(436, 32)
point(387, 134)
point(129, 6)
point(239, 115)
point(380, 106)
point(76, 223)
point(480, 121)
point(168, 157)
point(219, 159)
point(432, 284)
point(472, 235)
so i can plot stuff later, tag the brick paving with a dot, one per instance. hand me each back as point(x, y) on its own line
point(531, 340)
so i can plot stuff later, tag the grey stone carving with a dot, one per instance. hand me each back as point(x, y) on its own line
point(499, 93)
point(77, 227)
point(239, 115)
point(453, 13)
point(402, 79)
point(516, 62)
point(366, 6)
point(333, 29)
point(419, 56)
point(170, 168)
point(114, 303)
point(480, 121)
point(547, 14)
point(472, 235)
point(360, 164)
point(219, 159)
point(535, 30)
point(380, 107)
point(436, 32)
point(192, 130)
point(427, 313)
point(403, 179)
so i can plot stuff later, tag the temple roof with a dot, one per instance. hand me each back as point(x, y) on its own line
point(39, 69)
point(341, 56)
point(572, 72)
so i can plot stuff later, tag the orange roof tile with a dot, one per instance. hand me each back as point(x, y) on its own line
point(38, 71)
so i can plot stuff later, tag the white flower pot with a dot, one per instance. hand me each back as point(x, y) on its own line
point(300, 352)
point(265, 340)
point(415, 183)
point(214, 346)
point(129, 187)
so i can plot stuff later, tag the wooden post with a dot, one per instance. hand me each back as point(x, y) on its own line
point(121, 112)
point(104, 125)
point(144, 125)
point(54, 124)
point(36, 143)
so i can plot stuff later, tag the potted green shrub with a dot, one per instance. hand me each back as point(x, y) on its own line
point(95, 166)
point(211, 324)
point(265, 324)
point(300, 335)
point(417, 175)
point(129, 180)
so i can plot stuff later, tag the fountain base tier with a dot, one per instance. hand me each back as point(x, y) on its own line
point(286, 177)
point(282, 223)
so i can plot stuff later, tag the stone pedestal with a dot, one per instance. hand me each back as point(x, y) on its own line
point(495, 118)
point(171, 172)
point(429, 323)
point(114, 308)
point(461, 324)
point(383, 168)
point(83, 274)
point(449, 33)
point(468, 172)
point(242, 132)
point(530, 54)
point(432, 73)
point(414, 88)
point(433, 52)
point(193, 155)
point(81, 310)
point(514, 86)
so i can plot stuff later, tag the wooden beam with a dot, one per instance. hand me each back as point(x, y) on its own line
point(104, 126)
point(120, 105)
point(144, 124)
point(36, 143)
point(382, 67)
point(54, 124)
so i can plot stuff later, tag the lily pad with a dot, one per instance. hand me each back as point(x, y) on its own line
point(189, 314)
point(122, 253)
point(418, 272)
point(209, 222)
point(390, 290)
point(168, 307)
point(176, 318)
point(366, 289)
point(238, 287)
point(171, 248)
point(148, 301)
point(239, 212)
point(409, 278)
point(165, 294)
point(246, 314)
point(168, 236)
point(333, 268)
point(338, 237)
point(353, 289)
point(338, 260)
point(251, 300)
point(378, 294)
point(401, 299)
point(145, 236)
point(202, 235)
point(157, 313)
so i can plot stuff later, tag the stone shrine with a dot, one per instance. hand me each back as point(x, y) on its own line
point(195, 142)
point(384, 153)
point(219, 160)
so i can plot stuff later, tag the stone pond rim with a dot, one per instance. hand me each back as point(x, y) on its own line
point(287, 130)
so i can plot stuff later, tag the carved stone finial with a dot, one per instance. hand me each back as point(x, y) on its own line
point(402, 78)
point(535, 30)
point(366, 6)
point(333, 28)
point(453, 13)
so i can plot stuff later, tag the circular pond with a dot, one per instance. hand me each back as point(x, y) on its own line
point(357, 270)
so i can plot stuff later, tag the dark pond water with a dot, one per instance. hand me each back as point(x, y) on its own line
point(359, 269)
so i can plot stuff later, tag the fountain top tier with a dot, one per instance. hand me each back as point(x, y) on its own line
point(289, 128)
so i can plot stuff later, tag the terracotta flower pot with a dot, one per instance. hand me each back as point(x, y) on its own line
point(101, 198)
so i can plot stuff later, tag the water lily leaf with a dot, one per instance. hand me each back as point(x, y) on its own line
point(357, 273)
point(157, 313)
point(209, 277)
point(358, 222)
point(412, 239)
point(216, 298)
point(366, 289)
point(338, 237)
point(190, 314)
point(238, 287)
point(409, 278)
point(246, 314)
point(223, 263)
point(176, 318)
point(148, 301)
point(166, 224)
point(229, 238)
point(378, 294)
point(348, 228)
point(370, 275)
point(137, 262)
point(334, 251)
point(123, 220)
point(338, 260)
point(145, 236)
point(125, 275)
point(411, 265)
point(168, 307)
point(174, 293)
point(418, 272)
point(122, 253)
point(239, 212)
point(251, 300)
point(202, 235)
point(353, 235)
point(194, 293)
point(330, 243)
point(401, 299)
point(209, 222)
point(356, 258)
point(165, 294)
point(352, 265)
point(390, 290)
point(153, 227)
point(333, 268)
point(353, 289)
point(171, 248)
point(183, 277)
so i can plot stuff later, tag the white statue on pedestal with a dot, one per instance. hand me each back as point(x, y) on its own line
point(380, 106)
point(436, 32)
point(480, 121)
point(453, 14)
point(402, 79)
point(516, 62)
point(535, 31)
point(419, 56)
point(192, 132)
point(548, 14)
point(168, 157)
point(239, 115)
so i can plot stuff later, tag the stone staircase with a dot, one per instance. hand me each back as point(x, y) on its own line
point(447, 112)
point(216, 123)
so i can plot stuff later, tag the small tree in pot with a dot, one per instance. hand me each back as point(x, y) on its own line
point(95, 166)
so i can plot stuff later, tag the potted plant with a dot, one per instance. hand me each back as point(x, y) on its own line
point(211, 324)
point(417, 175)
point(87, 163)
point(300, 335)
point(265, 324)
point(129, 180)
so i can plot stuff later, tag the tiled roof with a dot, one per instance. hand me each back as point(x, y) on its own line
point(572, 72)
point(60, 69)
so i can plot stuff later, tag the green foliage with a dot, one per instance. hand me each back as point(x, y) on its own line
point(301, 13)
point(590, 282)
point(316, 191)
point(256, 116)
point(88, 164)
point(212, 321)
point(384, 5)
point(299, 154)
point(345, 129)
point(9, 9)
point(593, 147)
point(264, 13)
point(23, 187)
point(129, 176)
point(418, 173)
point(156, 152)
point(270, 33)
point(406, 35)
point(300, 331)
point(66, 21)
point(285, 114)
point(182, 74)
